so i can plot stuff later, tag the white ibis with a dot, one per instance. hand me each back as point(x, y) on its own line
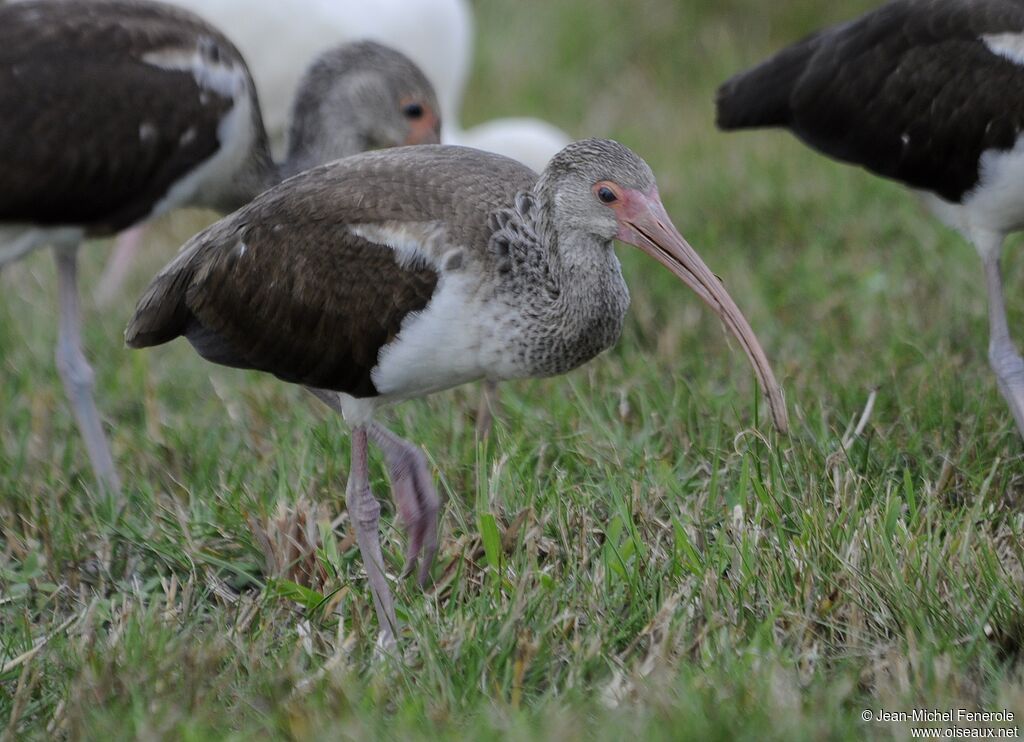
point(924, 93)
point(115, 112)
point(407, 271)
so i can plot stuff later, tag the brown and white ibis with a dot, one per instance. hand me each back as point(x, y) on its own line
point(117, 111)
point(395, 274)
point(929, 93)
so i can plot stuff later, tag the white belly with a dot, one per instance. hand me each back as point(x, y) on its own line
point(998, 200)
point(996, 204)
point(456, 339)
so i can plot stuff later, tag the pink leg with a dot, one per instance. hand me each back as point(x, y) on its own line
point(414, 493)
point(364, 511)
point(121, 258)
point(412, 488)
point(1003, 355)
point(76, 373)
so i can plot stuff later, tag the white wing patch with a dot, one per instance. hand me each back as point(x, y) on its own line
point(227, 78)
point(415, 243)
point(1007, 45)
point(207, 64)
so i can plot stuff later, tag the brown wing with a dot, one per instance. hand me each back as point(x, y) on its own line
point(284, 286)
point(92, 133)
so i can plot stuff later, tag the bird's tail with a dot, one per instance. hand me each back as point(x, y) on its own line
point(162, 314)
point(761, 96)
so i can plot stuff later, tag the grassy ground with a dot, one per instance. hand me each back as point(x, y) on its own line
point(631, 553)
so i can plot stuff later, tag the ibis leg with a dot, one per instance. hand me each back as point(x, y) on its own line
point(76, 373)
point(364, 510)
point(126, 247)
point(485, 410)
point(1002, 353)
point(414, 493)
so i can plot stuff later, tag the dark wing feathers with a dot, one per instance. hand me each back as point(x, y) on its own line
point(283, 286)
point(909, 91)
point(91, 133)
point(317, 317)
point(760, 97)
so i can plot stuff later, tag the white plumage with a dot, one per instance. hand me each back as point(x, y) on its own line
point(531, 141)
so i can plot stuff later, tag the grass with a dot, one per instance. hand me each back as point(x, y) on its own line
point(632, 553)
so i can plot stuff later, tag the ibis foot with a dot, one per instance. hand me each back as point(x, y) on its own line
point(77, 375)
point(415, 496)
point(364, 510)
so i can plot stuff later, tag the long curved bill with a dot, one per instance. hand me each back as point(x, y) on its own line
point(647, 225)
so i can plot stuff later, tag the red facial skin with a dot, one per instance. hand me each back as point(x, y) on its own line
point(426, 129)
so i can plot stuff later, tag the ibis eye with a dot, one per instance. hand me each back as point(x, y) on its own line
point(413, 110)
point(607, 195)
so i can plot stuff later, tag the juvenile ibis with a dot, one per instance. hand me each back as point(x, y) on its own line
point(117, 111)
point(394, 274)
point(925, 92)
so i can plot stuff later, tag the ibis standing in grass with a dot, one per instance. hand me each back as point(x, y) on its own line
point(117, 111)
point(929, 93)
point(394, 274)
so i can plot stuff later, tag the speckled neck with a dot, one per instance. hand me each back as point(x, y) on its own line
point(565, 293)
